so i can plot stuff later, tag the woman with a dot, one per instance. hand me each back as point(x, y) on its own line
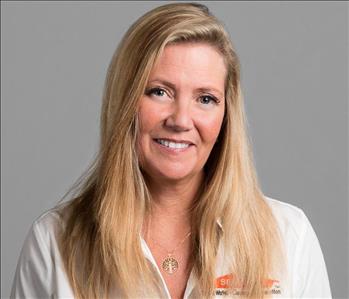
point(172, 207)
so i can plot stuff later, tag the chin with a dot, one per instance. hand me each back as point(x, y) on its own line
point(173, 176)
point(173, 173)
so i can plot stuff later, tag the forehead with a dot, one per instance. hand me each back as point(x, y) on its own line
point(197, 63)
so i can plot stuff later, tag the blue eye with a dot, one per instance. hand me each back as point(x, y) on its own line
point(207, 100)
point(156, 91)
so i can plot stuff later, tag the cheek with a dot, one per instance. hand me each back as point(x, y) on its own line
point(144, 125)
point(210, 128)
point(147, 116)
point(149, 120)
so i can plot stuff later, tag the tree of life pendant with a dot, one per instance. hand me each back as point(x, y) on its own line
point(170, 265)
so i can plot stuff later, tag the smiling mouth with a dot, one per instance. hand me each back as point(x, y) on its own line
point(172, 144)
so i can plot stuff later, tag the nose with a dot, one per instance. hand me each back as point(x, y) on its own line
point(180, 118)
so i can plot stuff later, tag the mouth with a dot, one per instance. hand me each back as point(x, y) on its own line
point(172, 144)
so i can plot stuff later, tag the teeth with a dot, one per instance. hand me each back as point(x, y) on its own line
point(171, 144)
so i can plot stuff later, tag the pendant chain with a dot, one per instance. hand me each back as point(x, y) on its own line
point(178, 245)
point(170, 264)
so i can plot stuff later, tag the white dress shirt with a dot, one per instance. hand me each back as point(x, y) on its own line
point(40, 272)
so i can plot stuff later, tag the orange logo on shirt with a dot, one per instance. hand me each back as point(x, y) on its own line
point(269, 283)
point(229, 281)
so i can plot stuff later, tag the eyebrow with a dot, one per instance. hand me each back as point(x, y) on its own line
point(173, 86)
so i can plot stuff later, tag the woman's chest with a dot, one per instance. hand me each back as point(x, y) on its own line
point(175, 270)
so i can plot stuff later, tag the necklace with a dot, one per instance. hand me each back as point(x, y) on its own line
point(170, 263)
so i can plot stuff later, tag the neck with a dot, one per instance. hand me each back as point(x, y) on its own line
point(174, 198)
point(171, 204)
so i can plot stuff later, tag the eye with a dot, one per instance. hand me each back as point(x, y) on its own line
point(156, 91)
point(206, 99)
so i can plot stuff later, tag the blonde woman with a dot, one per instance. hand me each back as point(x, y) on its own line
point(171, 207)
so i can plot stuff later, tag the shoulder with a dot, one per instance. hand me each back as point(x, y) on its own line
point(285, 209)
point(293, 226)
point(39, 268)
point(306, 264)
point(291, 219)
point(48, 223)
point(42, 237)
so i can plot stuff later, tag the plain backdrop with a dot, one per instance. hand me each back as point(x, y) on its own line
point(294, 59)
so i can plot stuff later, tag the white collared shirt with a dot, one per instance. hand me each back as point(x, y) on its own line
point(40, 272)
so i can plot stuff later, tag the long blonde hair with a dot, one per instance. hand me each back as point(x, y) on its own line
point(100, 243)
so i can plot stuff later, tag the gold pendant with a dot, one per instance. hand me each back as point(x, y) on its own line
point(170, 265)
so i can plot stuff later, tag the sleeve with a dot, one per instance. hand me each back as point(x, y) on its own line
point(310, 273)
point(33, 274)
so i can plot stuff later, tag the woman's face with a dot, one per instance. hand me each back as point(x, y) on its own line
point(181, 112)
